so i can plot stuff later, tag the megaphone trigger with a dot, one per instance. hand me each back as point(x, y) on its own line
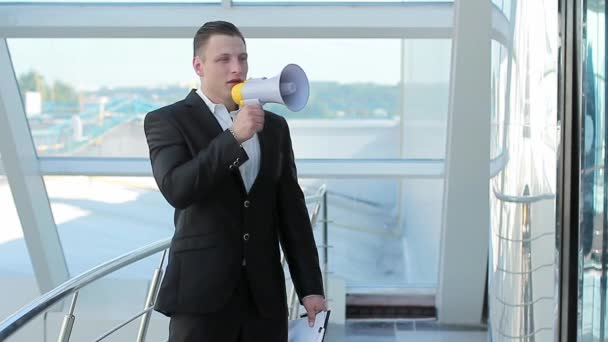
point(251, 102)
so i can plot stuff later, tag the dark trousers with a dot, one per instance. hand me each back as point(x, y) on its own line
point(238, 321)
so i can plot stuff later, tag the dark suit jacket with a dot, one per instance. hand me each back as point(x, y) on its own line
point(195, 165)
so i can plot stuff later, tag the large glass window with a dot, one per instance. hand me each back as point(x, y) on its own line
point(99, 218)
point(505, 6)
point(93, 103)
point(426, 79)
point(593, 322)
point(384, 233)
point(392, 224)
point(338, 1)
point(524, 146)
point(370, 98)
point(17, 280)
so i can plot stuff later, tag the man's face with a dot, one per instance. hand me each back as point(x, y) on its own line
point(221, 64)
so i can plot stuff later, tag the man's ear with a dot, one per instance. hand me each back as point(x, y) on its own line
point(197, 65)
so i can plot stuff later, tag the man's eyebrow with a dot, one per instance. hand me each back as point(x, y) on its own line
point(226, 54)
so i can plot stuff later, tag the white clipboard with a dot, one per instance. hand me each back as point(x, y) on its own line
point(299, 331)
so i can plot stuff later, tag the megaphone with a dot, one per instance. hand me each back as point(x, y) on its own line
point(289, 88)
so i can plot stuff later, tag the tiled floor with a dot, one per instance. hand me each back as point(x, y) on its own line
point(404, 331)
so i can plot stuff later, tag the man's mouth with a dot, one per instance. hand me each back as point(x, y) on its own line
point(234, 82)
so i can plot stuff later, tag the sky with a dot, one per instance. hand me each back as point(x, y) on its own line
point(93, 63)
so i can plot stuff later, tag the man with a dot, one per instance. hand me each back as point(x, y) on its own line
point(231, 176)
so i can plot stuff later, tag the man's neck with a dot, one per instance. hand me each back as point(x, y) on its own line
point(232, 107)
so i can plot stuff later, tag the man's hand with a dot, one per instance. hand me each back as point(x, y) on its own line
point(249, 121)
point(314, 304)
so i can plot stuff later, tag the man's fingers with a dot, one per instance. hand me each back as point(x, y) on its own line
point(311, 317)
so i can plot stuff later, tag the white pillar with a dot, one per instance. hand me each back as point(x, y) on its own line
point(465, 222)
point(21, 167)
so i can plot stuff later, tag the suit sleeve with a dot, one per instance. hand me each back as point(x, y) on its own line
point(295, 230)
point(181, 178)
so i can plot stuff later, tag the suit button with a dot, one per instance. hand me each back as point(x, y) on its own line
point(246, 204)
point(246, 236)
point(230, 167)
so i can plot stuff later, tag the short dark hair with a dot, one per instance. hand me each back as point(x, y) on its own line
point(212, 28)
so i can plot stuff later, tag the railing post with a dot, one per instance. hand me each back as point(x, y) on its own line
point(68, 321)
point(150, 299)
point(325, 241)
point(526, 261)
point(292, 301)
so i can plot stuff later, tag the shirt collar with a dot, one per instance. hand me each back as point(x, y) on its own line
point(213, 106)
point(208, 102)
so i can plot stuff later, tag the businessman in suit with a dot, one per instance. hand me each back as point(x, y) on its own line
point(229, 173)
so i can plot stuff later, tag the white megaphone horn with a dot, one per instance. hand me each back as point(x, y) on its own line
point(289, 88)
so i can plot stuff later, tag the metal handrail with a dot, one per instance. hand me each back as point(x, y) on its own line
point(42, 303)
point(320, 196)
point(357, 200)
point(502, 238)
point(522, 199)
point(29, 312)
point(521, 305)
point(118, 327)
point(501, 269)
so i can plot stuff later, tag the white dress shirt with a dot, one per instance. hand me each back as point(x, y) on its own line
point(249, 169)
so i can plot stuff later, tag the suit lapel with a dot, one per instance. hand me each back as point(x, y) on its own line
point(203, 115)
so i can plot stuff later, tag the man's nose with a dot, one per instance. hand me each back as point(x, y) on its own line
point(236, 68)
